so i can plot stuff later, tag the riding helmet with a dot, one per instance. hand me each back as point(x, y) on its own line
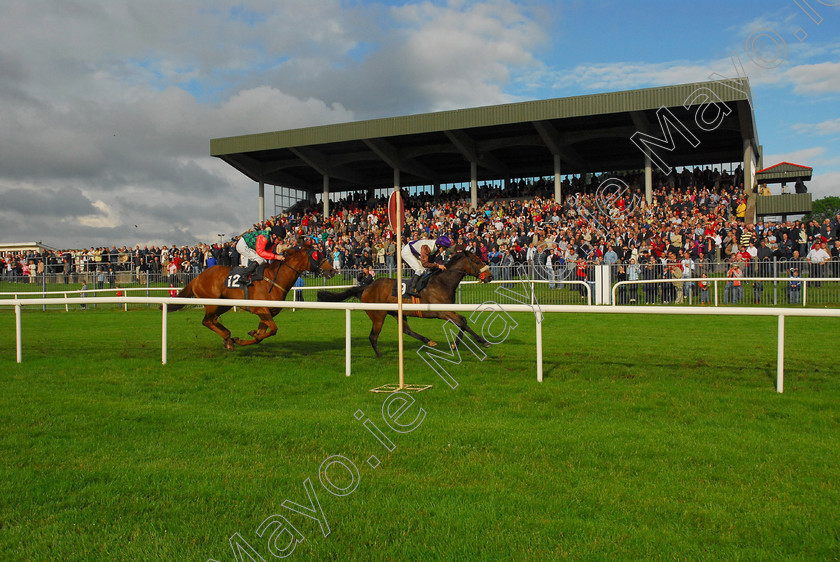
point(279, 230)
point(443, 241)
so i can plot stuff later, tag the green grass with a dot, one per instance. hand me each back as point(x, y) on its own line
point(651, 437)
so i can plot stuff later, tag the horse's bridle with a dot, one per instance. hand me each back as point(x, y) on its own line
point(482, 273)
point(314, 264)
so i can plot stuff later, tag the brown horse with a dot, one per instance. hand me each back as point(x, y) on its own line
point(278, 278)
point(440, 290)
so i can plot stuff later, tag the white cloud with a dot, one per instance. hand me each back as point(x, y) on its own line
point(829, 127)
point(814, 156)
point(820, 78)
point(825, 185)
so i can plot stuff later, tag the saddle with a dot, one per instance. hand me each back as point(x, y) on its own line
point(238, 277)
point(421, 284)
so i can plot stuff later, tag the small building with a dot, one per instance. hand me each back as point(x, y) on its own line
point(31, 248)
point(793, 200)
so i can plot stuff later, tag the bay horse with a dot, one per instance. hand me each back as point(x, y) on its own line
point(440, 290)
point(278, 278)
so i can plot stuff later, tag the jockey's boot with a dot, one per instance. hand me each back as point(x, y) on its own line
point(410, 288)
point(249, 271)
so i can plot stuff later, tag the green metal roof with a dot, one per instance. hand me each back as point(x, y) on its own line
point(591, 133)
point(784, 172)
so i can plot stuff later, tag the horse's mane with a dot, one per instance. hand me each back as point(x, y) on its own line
point(460, 253)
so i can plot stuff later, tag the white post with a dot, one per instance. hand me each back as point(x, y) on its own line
point(804, 292)
point(539, 350)
point(780, 359)
point(716, 292)
point(164, 307)
point(648, 180)
point(18, 336)
point(558, 196)
point(347, 339)
point(66, 306)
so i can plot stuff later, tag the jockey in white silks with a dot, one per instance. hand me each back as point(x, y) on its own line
point(420, 256)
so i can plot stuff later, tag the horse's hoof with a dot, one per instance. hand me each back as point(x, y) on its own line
point(229, 345)
point(432, 343)
point(486, 344)
point(252, 333)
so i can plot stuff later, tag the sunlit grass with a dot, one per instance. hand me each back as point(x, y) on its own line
point(650, 438)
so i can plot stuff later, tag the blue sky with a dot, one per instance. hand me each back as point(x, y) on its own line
point(108, 106)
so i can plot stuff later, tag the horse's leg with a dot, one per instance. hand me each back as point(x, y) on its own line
point(377, 318)
point(408, 331)
point(266, 328)
point(211, 320)
point(263, 327)
point(461, 322)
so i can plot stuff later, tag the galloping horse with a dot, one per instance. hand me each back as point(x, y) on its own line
point(440, 290)
point(278, 278)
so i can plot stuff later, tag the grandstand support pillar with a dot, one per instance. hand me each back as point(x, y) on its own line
point(437, 189)
point(473, 185)
point(558, 196)
point(648, 180)
point(749, 182)
point(326, 196)
point(261, 204)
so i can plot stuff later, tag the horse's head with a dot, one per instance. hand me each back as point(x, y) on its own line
point(471, 264)
point(316, 260)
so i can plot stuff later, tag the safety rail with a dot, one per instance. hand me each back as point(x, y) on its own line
point(538, 311)
point(715, 281)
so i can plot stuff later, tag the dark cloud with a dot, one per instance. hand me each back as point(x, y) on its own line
point(65, 202)
point(108, 107)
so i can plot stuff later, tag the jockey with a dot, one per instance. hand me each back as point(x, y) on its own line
point(258, 246)
point(420, 256)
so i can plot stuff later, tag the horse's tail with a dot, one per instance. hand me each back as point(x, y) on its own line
point(186, 293)
point(326, 296)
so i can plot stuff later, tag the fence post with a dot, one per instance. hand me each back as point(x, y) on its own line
point(775, 283)
point(804, 292)
point(44, 289)
point(163, 343)
point(780, 358)
point(539, 349)
point(715, 282)
point(18, 335)
point(347, 343)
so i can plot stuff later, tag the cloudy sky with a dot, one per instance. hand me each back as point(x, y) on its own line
point(107, 108)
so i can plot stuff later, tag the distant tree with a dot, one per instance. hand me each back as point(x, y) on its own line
point(825, 208)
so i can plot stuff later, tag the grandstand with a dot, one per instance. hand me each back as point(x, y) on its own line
point(707, 123)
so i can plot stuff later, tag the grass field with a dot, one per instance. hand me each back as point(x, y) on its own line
point(651, 437)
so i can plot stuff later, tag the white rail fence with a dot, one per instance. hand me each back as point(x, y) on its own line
point(716, 281)
point(348, 308)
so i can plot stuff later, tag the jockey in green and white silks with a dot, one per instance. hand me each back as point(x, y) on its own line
point(258, 246)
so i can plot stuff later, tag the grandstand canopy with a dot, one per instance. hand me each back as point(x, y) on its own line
point(704, 123)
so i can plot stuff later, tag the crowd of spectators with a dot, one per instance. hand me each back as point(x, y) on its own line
point(694, 226)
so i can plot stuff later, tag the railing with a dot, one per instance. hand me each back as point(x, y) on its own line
point(794, 296)
point(493, 307)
